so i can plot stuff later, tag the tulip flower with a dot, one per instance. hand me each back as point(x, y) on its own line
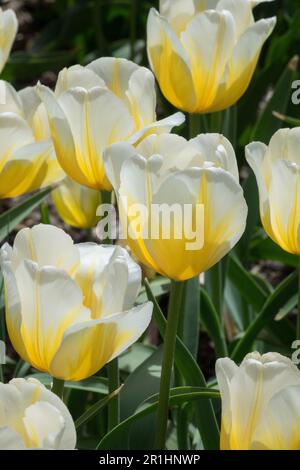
point(76, 204)
point(32, 417)
point(204, 53)
point(260, 403)
point(69, 307)
point(8, 31)
point(108, 101)
point(167, 170)
point(27, 157)
point(277, 171)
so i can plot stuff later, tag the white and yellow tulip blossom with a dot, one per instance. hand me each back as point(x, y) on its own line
point(260, 403)
point(168, 170)
point(108, 101)
point(277, 171)
point(204, 52)
point(27, 157)
point(32, 417)
point(69, 307)
point(76, 204)
point(8, 31)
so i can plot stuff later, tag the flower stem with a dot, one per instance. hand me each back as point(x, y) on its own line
point(174, 310)
point(58, 387)
point(298, 314)
point(45, 218)
point(113, 384)
point(194, 125)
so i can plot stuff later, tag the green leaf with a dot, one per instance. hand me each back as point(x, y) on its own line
point(281, 295)
point(11, 218)
point(92, 384)
point(211, 321)
point(95, 408)
point(160, 286)
point(144, 381)
point(190, 315)
point(266, 249)
point(178, 397)
point(134, 357)
point(267, 124)
point(247, 285)
point(192, 374)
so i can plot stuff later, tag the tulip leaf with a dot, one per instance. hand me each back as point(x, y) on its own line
point(191, 315)
point(192, 374)
point(95, 408)
point(159, 287)
point(266, 249)
point(275, 302)
point(247, 285)
point(211, 321)
point(267, 124)
point(178, 396)
point(11, 218)
point(92, 384)
point(145, 380)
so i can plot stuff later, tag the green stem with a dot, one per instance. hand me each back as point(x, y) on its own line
point(214, 285)
point(45, 218)
point(216, 120)
point(194, 125)
point(58, 387)
point(298, 315)
point(174, 310)
point(113, 384)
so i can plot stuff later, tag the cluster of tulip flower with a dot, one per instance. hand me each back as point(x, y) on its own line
point(70, 308)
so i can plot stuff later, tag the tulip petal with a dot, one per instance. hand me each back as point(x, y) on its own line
point(251, 387)
point(8, 31)
point(9, 440)
point(14, 134)
point(215, 148)
point(13, 306)
point(241, 11)
point(76, 204)
point(91, 345)
point(29, 100)
point(44, 425)
point(176, 151)
point(93, 134)
point(284, 145)
point(209, 58)
point(47, 246)
point(115, 72)
point(31, 389)
point(158, 127)
point(221, 225)
point(256, 157)
point(10, 100)
point(142, 97)
point(101, 269)
point(242, 64)
point(114, 157)
point(31, 167)
point(51, 302)
point(284, 196)
point(170, 63)
point(280, 427)
point(27, 411)
point(61, 135)
point(77, 76)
